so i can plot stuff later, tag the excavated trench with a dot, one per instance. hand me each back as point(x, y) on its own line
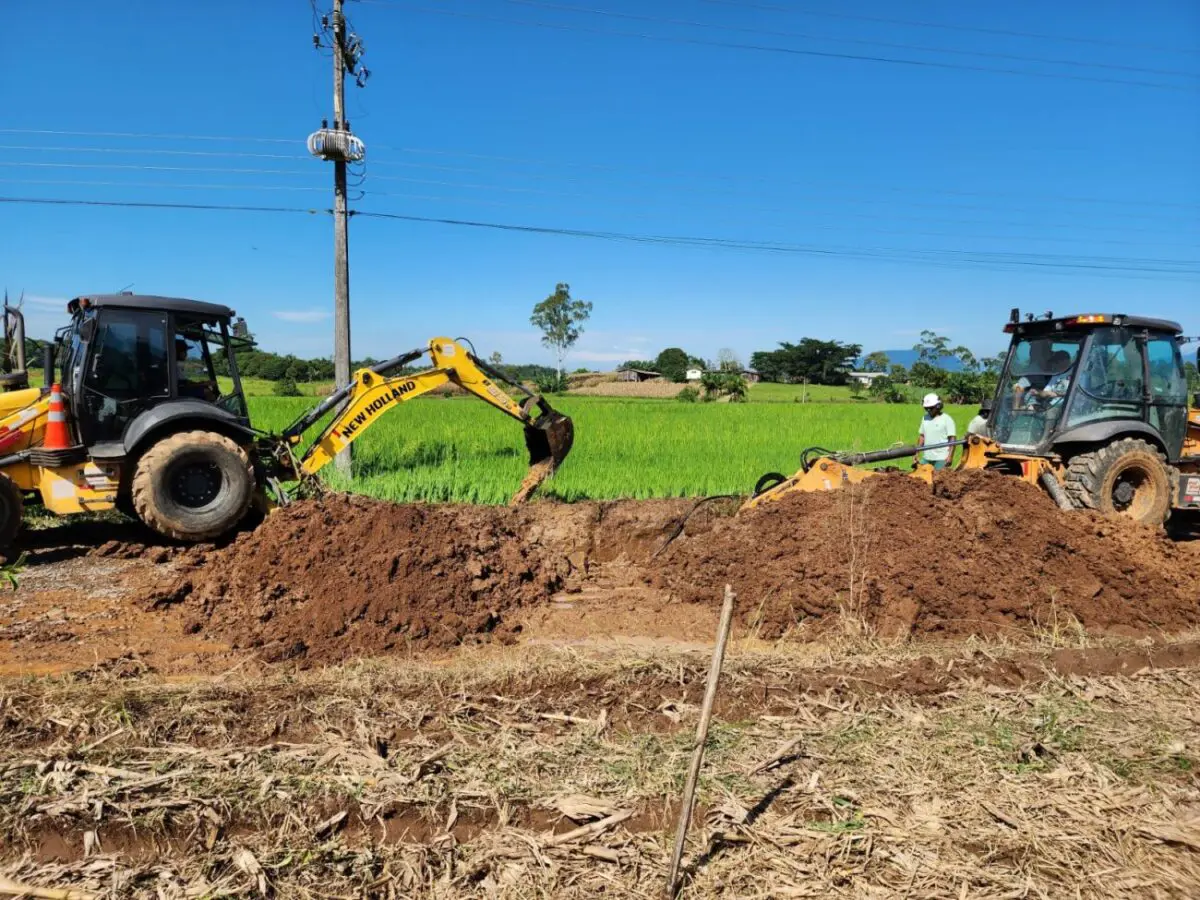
point(331, 579)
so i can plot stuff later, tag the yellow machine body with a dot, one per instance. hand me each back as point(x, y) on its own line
point(65, 488)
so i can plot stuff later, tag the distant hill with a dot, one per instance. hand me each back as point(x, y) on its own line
point(907, 357)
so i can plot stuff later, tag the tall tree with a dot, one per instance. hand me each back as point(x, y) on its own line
point(932, 348)
point(727, 360)
point(812, 360)
point(876, 362)
point(673, 363)
point(560, 320)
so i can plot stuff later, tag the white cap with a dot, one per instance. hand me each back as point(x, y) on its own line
point(931, 400)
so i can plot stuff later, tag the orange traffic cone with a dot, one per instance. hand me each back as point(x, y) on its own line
point(57, 436)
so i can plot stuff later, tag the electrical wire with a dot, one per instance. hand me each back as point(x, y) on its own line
point(1116, 266)
point(912, 23)
point(788, 51)
point(691, 23)
point(155, 151)
point(536, 161)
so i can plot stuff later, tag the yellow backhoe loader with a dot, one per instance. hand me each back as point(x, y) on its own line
point(1115, 434)
point(143, 424)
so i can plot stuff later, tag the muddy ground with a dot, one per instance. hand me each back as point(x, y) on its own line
point(343, 577)
point(958, 692)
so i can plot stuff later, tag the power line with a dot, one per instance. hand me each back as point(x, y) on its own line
point(1075, 39)
point(535, 161)
point(146, 204)
point(132, 167)
point(811, 223)
point(155, 135)
point(154, 151)
point(789, 51)
point(692, 23)
point(475, 186)
point(964, 259)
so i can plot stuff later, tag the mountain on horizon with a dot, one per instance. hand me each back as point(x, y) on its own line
point(907, 357)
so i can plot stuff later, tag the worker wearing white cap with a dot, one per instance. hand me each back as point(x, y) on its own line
point(936, 428)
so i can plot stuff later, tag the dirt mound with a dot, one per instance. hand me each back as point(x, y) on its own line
point(346, 576)
point(980, 553)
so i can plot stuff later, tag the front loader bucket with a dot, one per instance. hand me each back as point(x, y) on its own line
point(549, 441)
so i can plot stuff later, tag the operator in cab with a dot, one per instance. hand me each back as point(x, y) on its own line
point(186, 363)
point(936, 428)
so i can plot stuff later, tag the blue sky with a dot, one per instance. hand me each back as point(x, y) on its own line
point(898, 181)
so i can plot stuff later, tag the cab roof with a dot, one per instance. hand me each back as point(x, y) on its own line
point(149, 301)
point(1092, 320)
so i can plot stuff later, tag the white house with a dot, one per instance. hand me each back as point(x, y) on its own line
point(694, 374)
point(865, 378)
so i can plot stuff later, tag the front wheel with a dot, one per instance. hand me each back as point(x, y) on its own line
point(193, 486)
point(1128, 478)
point(12, 505)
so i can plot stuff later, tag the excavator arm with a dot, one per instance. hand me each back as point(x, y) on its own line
point(372, 391)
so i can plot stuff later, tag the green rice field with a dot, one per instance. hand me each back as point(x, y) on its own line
point(456, 449)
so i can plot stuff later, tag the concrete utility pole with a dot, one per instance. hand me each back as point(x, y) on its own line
point(339, 146)
point(341, 228)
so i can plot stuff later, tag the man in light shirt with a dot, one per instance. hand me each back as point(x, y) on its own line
point(979, 424)
point(936, 428)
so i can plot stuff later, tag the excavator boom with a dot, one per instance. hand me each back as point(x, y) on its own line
point(372, 391)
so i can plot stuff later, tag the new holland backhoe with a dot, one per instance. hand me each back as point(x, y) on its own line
point(142, 422)
point(1119, 438)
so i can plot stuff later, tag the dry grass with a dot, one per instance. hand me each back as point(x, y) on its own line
point(395, 779)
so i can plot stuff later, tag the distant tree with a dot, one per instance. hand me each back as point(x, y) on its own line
point(932, 348)
point(926, 375)
point(811, 360)
point(876, 362)
point(688, 395)
point(496, 360)
point(724, 384)
point(857, 387)
point(673, 363)
point(897, 373)
point(1193, 376)
point(966, 357)
point(887, 390)
point(727, 361)
point(560, 320)
point(992, 364)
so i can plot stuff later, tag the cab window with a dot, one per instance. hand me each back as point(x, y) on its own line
point(126, 371)
point(1110, 379)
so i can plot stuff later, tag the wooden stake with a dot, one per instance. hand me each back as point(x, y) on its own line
point(710, 694)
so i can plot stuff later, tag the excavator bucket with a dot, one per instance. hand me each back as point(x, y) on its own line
point(549, 441)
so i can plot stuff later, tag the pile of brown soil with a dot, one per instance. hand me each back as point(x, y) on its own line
point(345, 576)
point(978, 554)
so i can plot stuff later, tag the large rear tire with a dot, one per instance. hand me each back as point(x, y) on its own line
point(193, 486)
point(12, 507)
point(1128, 478)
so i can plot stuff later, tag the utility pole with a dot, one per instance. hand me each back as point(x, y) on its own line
point(339, 146)
point(341, 230)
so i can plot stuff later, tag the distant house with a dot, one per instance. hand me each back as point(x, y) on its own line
point(750, 376)
point(637, 375)
point(695, 374)
point(866, 378)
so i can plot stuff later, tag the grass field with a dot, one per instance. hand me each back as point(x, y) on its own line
point(458, 450)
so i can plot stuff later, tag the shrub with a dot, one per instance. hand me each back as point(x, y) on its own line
point(286, 387)
point(688, 395)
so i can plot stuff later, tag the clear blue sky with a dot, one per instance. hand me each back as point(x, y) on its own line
point(904, 179)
